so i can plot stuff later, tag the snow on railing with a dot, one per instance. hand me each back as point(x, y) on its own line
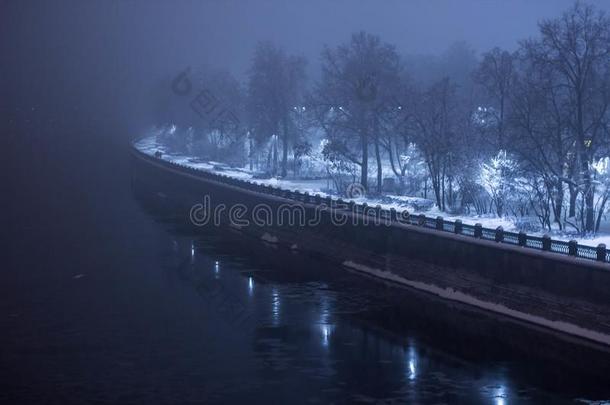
point(544, 243)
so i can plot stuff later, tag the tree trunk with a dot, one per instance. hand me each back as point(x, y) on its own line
point(379, 173)
point(364, 169)
point(573, 196)
point(250, 151)
point(426, 188)
point(584, 167)
point(275, 155)
point(589, 210)
point(285, 148)
point(436, 184)
point(600, 212)
point(558, 203)
point(443, 190)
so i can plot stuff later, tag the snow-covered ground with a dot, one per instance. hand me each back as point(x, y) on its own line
point(149, 145)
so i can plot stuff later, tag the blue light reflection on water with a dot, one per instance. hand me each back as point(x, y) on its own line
point(309, 326)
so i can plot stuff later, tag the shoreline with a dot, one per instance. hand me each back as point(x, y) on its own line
point(580, 285)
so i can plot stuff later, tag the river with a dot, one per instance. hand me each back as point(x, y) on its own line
point(109, 297)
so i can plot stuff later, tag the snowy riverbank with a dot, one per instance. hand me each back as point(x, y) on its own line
point(150, 146)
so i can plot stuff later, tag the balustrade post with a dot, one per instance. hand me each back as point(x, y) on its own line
point(572, 247)
point(522, 238)
point(458, 226)
point(546, 242)
point(499, 234)
point(421, 221)
point(478, 230)
point(439, 223)
point(601, 252)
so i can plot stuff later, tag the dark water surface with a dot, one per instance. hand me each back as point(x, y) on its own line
point(108, 297)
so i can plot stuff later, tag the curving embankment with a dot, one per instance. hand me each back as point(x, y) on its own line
point(566, 294)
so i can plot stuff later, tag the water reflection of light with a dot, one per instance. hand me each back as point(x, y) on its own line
point(326, 326)
point(326, 330)
point(192, 251)
point(412, 363)
point(275, 306)
point(216, 268)
point(500, 395)
point(250, 285)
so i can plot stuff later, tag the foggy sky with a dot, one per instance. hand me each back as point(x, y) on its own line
point(109, 53)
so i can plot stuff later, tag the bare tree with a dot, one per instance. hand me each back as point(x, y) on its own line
point(358, 82)
point(540, 130)
point(434, 118)
point(576, 47)
point(275, 87)
point(495, 74)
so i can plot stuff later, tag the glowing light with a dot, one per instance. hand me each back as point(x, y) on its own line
point(326, 330)
point(250, 285)
point(601, 166)
point(500, 396)
point(412, 363)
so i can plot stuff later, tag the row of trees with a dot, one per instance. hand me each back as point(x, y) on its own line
point(518, 133)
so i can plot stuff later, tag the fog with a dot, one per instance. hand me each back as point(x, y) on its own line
point(76, 77)
point(106, 55)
